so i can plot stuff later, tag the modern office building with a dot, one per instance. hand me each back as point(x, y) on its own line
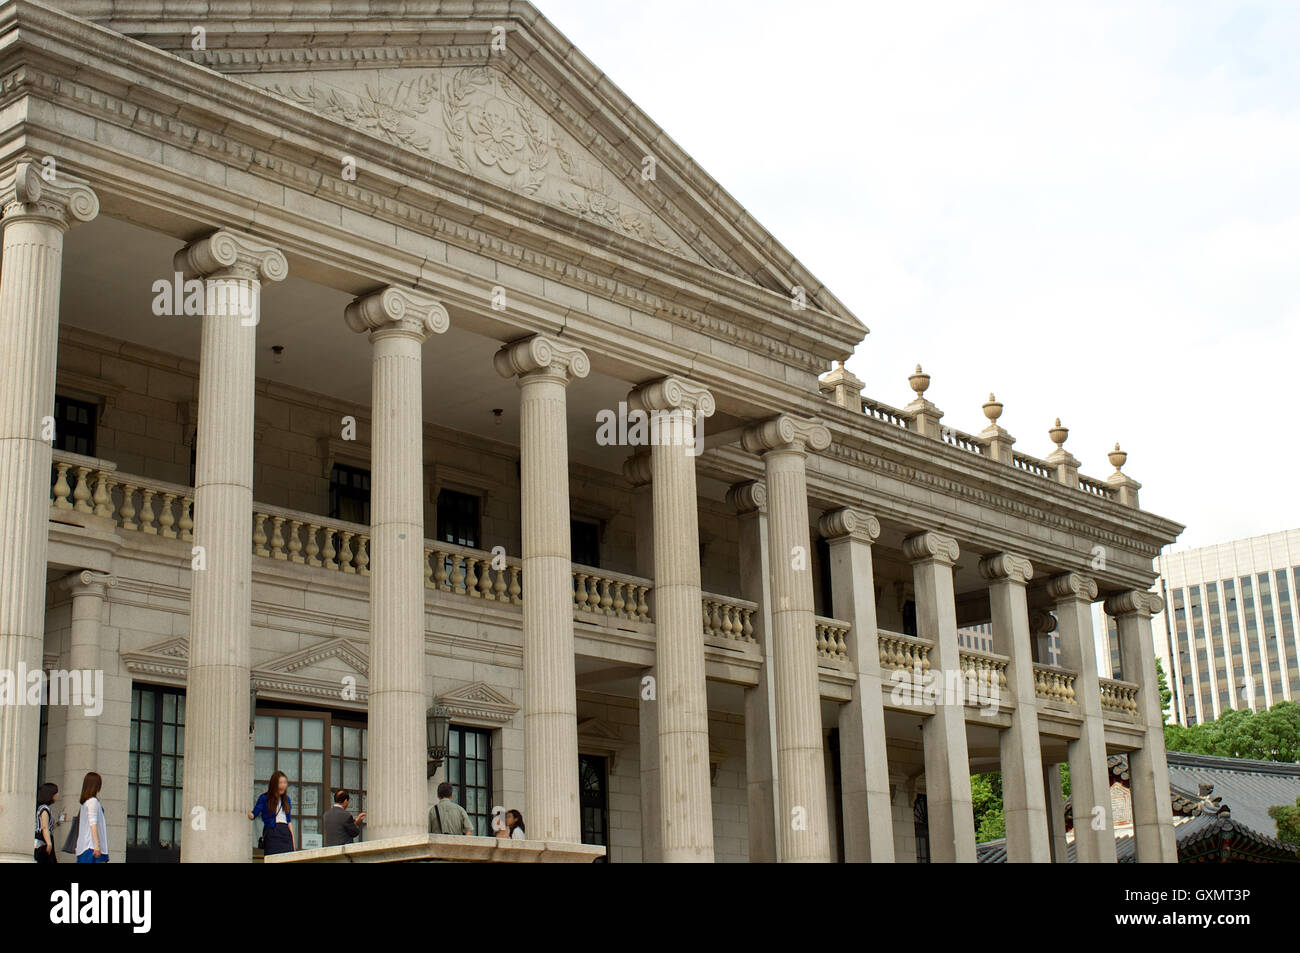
point(328, 331)
point(1229, 636)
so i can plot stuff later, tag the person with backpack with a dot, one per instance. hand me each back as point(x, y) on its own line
point(45, 823)
point(275, 809)
point(92, 825)
point(448, 817)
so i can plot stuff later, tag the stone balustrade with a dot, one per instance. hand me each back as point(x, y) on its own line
point(904, 652)
point(985, 667)
point(601, 592)
point(1119, 697)
point(95, 487)
point(962, 441)
point(884, 413)
point(1032, 465)
point(304, 539)
point(472, 573)
point(1055, 684)
point(832, 635)
point(728, 618)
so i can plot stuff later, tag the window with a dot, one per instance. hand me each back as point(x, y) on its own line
point(74, 426)
point(469, 772)
point(350, 494)
point(921, 827)
point(593, 799)
point(301, 743)
point(155, 775)
point(584, 539)
point(458, 519)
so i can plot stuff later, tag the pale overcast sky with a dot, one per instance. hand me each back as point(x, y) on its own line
point(1091, 209)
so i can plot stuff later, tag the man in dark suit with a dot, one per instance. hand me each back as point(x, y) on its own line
point(340, 828)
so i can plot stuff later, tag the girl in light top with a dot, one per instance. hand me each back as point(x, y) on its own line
point(276, 811)
point(515, 824)
point(92, 826)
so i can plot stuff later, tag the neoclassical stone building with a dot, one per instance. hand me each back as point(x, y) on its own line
point(311, 316)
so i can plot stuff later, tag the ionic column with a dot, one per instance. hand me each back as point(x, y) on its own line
point(636, 469)
point(1023, 798)
point(218, 761)
point(80, 742)
point(947, 761)
point(36, 215)
point(398, 323)
point(544, 368)
point(1041, 626)
point(864, 762)
point(750, 501)
point(685, 796)
point(1089, 775)
point(1153, 826)
point(782, 442)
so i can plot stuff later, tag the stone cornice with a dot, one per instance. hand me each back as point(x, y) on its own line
point(849, 522)
point(785, 433)
point(542, 356)
point(1007, 566)
point(399, 310)
point(931, 547)
point(61, 200)
point(751, 314)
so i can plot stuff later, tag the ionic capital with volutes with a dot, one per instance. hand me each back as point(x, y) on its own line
point(1041, 623)
point(1072, 585)
point(63, 200)
point(748, 497)
point(672, 394)
point(88, 582)
point(397, 311)
point(1134, 601)
point(845, 521)
point(786, 433)
point(1007, 566)
point(539, 356)
point(228, 254)
point(931, 547)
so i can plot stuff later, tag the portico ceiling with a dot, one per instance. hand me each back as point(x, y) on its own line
point(108, 278)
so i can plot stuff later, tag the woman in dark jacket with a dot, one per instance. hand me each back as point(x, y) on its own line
point(274, 808)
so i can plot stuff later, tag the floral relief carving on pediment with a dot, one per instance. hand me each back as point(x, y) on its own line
point(481, 120)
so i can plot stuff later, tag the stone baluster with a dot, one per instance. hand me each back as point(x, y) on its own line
point(103, 495)
point(165, 519)
point(277, 538)
point(127, 512)
point(146, 511)
point(345, 552)
point(81, 494)
point(327, 551)
point(61, 489)
point(186, 523)
point(295, 543)
point(259, 535)
point(313, 548)
point(471, 578)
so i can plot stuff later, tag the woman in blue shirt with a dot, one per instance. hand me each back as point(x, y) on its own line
point(274, 808)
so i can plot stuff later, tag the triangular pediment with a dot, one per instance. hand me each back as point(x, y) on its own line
point(478, 701)
point(503, 98)
point(345, 655)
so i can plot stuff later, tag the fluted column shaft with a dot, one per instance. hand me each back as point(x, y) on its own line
point(36, 215)
point(1094, 834)
point(762, 781)
point(686, 809)
point(1055, 813)
point(544, 368)
point(801, 763)
point(1153, 826)
point(637, 471)
point(1023, 798)
point(947, 761)
point(80, 736)
point(218, 758)
point(864, 762)
point(398, 323)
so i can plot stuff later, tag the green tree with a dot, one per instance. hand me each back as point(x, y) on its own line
point(1288, 822)
point(986, 798)
point(1271, 735)
point(1165, 694)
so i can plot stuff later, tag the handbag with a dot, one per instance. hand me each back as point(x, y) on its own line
point(70, 843)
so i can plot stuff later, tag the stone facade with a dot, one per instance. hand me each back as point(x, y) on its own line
point(467, 253)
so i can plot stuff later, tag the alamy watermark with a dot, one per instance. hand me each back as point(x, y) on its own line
point(657, 428)
point(915, 686)
point(78, 688)
point(220, 297)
